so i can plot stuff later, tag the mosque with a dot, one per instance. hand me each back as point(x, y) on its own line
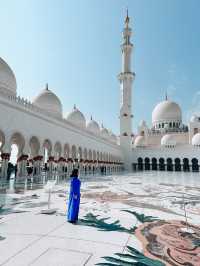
point(45, 137)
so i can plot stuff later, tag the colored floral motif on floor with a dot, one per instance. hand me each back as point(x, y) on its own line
point(165, 241)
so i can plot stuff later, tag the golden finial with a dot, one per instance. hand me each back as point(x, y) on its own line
point(127, 19)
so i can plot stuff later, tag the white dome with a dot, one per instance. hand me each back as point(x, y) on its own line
point(194, 118)
point(93, 126)
point(77, 118)
point(166, 111)
point(168, 140)
point(48, 101)
point(104, 132)
point(139, 141)
point(7, 79)
point(142, 123)
point(196, 140)
point(113, 137)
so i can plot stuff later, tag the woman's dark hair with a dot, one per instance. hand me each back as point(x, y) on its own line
point(74, 173)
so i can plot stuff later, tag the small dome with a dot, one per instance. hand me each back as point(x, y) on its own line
point(142, 123)
point(166, 111)
point(7, 79)
point(139, 141)
point(168, 141)
point(194, 119)
point(77, 118)
point(93, 126)
point(113, 137)
point(104, 132)
point(49, 102)
point(196, 139)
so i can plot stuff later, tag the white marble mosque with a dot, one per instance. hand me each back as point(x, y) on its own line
point(44, 137)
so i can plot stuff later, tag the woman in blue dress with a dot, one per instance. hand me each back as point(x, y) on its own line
point(74, 197)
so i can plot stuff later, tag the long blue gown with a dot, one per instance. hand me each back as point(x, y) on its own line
point(74, 200)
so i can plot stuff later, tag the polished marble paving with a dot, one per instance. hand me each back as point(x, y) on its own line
point(136, 200)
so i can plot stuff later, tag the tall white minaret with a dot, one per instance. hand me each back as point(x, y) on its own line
point(126, 78)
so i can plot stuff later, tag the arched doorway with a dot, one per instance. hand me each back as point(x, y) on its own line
point(195, 166)
point(140, 164)
point(66, 151)
point(57, 150)
point(169, 164)
point(177, 164)
point(186, 166)
point(47, 150)
point(161, 164)
point(154, 164)
point(147, 163)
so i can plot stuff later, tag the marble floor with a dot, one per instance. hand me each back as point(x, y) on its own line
point(143, 218)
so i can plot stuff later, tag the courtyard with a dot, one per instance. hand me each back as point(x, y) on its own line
point(126, 219)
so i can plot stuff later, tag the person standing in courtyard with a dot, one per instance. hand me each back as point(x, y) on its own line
point(74, 197)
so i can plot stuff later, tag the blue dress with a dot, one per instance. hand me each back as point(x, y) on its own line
point(74, 200)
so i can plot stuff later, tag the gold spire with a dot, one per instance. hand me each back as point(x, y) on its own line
point(127, 19)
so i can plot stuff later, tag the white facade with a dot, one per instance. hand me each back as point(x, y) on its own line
point(44, 136)
point(168, 144)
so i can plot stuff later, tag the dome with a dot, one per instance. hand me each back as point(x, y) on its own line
point(49, 102)
point(139, 141)
point(77, 118)
point(194, 118)
point(113, 137)
point(93, 126)
point(196, 139)
point(104, 132)
point(168, 140)
point(142, 123)
point(166, 111)
point(7, 79)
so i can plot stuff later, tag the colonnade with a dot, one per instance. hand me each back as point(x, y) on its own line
point(36, 157)
point(168, 164)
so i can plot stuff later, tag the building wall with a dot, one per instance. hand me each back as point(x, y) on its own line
point(19, 116)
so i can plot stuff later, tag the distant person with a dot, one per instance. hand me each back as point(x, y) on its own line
point(9, 170)
point(74, 197)
point(15, 170)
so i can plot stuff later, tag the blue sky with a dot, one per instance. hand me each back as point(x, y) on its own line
point(75, 47)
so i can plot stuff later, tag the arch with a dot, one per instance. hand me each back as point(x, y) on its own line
point(140, 163)
point(57, 150)
point(74, 152)
point(97, 155)
point(186, 166)
point(2, 139)
point(154, 164)
point(90, 155)
point(18, 139)
point(80, 153)
point(34, 144)
point(195, 166)
point(177, 162)
point(85, 154)
point(161, 164)
point(94, 155)
point(66, 151)
point(47, 147)
point(169, 164)
point(146, 163)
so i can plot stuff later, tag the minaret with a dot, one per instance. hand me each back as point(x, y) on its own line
point(126, 78)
